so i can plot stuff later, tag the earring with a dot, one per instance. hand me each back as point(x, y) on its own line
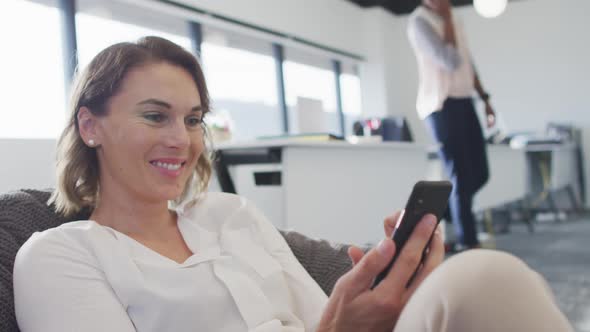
point(91, 142)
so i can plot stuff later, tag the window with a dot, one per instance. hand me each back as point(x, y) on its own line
point(100, 25)
point(241, 78)
point(350, 89)
point(310, 93)
point(32, 80)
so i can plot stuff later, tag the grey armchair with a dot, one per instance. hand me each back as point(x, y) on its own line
point(24, 212)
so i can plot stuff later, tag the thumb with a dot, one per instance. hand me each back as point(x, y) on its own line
point(390, 222)
point(361, 276)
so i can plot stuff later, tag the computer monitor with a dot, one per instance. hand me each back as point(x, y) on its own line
point(393, 128)
point(396, 128)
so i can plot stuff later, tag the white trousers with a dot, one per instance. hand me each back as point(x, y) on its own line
point(483, 290)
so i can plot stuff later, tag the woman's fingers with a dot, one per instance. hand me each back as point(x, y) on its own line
point(434, 257)
point(360, 278)
point(355, 254)
point(410, 256)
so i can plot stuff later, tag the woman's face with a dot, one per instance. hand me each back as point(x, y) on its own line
point(152, 136)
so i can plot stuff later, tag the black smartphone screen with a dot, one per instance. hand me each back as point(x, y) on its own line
point(426, 197)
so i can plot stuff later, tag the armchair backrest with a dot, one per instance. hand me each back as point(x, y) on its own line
point(22, 213)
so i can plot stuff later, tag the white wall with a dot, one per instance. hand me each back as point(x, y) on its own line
point(535, 61)
point(27, 164)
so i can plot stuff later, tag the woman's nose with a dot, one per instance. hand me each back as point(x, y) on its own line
point(177, 135)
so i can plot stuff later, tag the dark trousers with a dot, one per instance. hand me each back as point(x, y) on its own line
point(463, 153)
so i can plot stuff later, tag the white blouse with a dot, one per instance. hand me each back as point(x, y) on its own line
point(82, 276)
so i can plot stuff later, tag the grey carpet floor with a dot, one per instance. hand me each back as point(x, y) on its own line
point(560, 251)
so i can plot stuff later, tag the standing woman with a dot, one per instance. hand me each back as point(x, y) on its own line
point(447, 80)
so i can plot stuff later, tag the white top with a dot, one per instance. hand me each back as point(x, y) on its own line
point(443, 70)
point(82, 276)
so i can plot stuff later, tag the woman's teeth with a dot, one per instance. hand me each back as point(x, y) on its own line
point(172, 167)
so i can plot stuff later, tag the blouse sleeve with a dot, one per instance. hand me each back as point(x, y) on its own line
point(432, 45)
point(59, 287)
point(309, 299)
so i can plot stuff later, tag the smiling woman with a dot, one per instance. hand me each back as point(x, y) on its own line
point(135, 141)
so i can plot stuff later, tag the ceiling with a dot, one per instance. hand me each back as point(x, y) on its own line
point(402, 6)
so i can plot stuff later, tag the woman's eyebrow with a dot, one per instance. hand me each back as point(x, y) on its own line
point(161, 103)
point(157, 102)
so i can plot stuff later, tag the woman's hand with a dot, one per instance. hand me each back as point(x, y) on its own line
point(446, 9)
point(353, 306)
point(490, 115)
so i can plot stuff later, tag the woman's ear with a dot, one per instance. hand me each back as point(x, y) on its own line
point(87, 124)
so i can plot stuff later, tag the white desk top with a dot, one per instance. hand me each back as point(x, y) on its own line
point(549, 147)
point(286, 142)
point(319, 144)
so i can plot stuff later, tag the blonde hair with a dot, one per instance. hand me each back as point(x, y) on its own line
point(77, 164)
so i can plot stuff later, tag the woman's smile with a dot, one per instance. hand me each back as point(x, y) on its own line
point(169, 167)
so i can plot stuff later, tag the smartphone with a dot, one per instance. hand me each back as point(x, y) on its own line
point(426, 197)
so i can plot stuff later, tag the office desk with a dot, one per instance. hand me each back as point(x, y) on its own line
point(530, 175)
point(332, 190)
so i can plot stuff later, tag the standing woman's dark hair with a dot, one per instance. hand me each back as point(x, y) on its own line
point(77, 164)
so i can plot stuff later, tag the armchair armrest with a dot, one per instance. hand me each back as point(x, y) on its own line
point(324, 261)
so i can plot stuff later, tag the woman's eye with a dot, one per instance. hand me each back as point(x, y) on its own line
point(154, 117)
point(193, 121)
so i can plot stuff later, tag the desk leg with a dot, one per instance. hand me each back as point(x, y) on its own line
point(223, 177)
point(576, 205)
point(525, 213)
point(488, 222)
